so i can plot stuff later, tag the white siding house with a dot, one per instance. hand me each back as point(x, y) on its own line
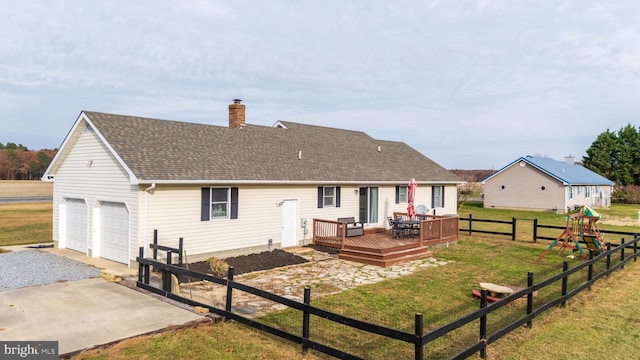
point(226, 190)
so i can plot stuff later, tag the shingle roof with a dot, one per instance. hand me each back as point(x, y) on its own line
point(163, 150)
point(570, 174)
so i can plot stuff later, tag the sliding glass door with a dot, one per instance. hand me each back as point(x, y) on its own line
point(369, 205)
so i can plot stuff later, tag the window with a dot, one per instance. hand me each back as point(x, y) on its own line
point(437, 196)
point(328, 196)
point(587, 191)
point(570, 192)
point(219, 203)
point(402, 192)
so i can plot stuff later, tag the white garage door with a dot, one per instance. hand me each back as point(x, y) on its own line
point(114, 232)
point(76, 225)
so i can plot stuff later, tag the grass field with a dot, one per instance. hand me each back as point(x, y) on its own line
point(25, 223)
point(25, 188)
point(605, 315)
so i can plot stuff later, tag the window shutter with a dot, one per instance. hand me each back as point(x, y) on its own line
point(442, 191)
point(320, 193)
point(397, 194)
point(234, 203)
point(337, 196)
point(433, 199)
point(205, 204)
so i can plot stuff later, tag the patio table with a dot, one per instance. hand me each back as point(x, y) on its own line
point(405, 225)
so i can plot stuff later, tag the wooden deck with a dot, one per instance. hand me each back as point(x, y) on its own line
point(378, 247)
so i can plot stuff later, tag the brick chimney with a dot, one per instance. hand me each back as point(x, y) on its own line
point(236, 114)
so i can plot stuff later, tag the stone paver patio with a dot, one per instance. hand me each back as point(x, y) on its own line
point(325, 274)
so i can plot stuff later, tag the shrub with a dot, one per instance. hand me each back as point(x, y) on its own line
point(218, 266)
point(626, 194)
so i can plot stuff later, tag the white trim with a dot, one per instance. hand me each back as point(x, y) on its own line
point(133, 180)
point(279, 124)
point(290, 182)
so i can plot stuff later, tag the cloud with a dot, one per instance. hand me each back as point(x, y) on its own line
point(478, 82)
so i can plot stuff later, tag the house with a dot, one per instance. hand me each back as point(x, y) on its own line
point(226, 191)
point(542, 183)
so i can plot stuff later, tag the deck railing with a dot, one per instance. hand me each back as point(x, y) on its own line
point(329, 233)
point(434, 229)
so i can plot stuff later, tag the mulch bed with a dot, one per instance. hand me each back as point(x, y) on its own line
point(249, 263)
point(256, 262)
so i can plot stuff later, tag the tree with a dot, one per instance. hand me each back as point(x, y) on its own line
point(616, 156)
point(19, 163)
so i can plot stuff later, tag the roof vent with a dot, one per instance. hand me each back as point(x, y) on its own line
point(299, 154)
point(379, 149)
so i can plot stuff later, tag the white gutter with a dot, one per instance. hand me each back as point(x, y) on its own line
point(146, 193)
point(294, 182)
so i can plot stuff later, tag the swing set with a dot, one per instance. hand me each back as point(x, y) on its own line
point(581, 224)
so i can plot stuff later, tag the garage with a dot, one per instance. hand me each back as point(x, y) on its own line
point(114, 232)
point(76, 225)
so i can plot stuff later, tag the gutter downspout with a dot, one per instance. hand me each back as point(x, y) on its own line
point(146, 193)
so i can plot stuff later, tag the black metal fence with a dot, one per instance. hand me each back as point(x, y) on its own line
point(537, 226)
point(511, 228)
point(418, 339)
point(470, 220)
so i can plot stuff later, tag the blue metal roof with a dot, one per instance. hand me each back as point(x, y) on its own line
point(563, 171)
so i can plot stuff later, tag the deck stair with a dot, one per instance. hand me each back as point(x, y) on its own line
point(384, 256)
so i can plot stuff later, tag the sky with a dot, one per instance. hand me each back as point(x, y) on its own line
point(469, 84)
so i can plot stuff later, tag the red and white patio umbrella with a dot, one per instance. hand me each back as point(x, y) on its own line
point(411, 210)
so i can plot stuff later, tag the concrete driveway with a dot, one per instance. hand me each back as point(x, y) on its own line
point(84, 313)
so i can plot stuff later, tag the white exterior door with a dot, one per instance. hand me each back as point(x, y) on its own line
point(114, 232)
point(76, 225)
point(289, 223)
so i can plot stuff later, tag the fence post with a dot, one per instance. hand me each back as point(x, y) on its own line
point(513, 229)
point(565, 280)
point(180, 248)
point(530, 298)
point(140, 266)
point(608, 258)
point(419, 331)
point(483, 323)
point(535, 230)
point(155, 249)
point(305, 318)
point(590, 268)
point(470, 222)
point(155, 242)
point(166, 275)
point(622, 252)
point(229, 289)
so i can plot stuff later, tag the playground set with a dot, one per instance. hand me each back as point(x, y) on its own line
point(580, 225)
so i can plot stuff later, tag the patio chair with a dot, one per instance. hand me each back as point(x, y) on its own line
point(398, 228)
point(391, 225)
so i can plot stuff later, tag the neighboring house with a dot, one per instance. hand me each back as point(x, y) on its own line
point(226, 190)
point(542, 183)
